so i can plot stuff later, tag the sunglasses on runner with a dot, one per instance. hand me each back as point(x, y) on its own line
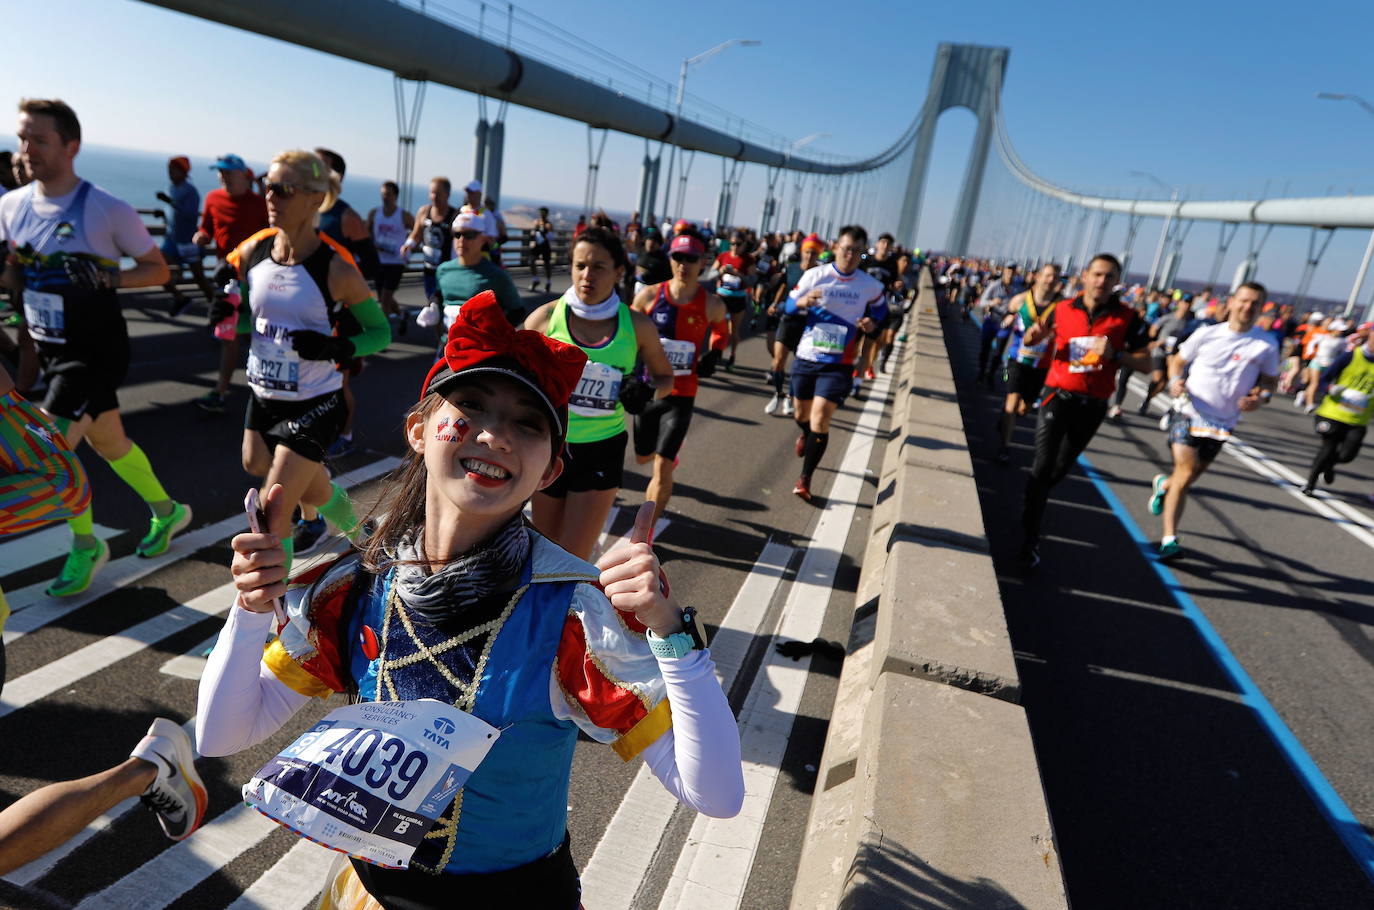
point(686, 258)
point(469, 235)
point(284, 190)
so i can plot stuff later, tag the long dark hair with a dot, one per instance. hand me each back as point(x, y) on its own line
point(401, 507)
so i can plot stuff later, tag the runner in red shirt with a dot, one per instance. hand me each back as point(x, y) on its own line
point(733, 269)
point(1090, 337)
point(233, 213)
point(682, 311)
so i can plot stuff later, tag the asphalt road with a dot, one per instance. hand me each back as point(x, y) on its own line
point(732, 497)
point(1164, 788)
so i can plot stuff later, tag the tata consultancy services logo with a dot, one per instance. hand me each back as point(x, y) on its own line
point(443, 728)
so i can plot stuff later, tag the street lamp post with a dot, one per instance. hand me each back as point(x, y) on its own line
point(797, 186)
point(687, 64)
point(1168, 220)
point(1369, 249)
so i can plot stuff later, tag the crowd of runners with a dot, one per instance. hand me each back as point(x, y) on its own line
point(1066, 347)
point(449, 590)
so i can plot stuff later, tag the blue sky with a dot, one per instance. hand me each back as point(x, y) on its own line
point(1215, 97)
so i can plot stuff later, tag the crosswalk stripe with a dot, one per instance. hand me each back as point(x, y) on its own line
point(615, 872)
point(33, 609)
point(293, 880)
point(25, 550)
point(28, 874)
point(184, 865)
point(81, 663)
point(190, 665)
point(714, 865)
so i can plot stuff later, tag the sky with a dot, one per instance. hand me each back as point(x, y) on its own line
point(1216, 98)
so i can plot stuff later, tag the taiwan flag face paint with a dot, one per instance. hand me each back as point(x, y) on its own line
point(454, 432)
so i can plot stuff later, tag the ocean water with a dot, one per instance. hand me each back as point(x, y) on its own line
point(138, 176)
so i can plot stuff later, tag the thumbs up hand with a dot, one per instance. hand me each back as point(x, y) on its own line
point(634, 582)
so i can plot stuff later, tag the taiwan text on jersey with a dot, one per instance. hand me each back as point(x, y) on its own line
point(831, 324)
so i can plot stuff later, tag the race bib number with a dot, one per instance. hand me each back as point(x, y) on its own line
point(1170, 343)
point(371, 779)
point(433, 254)
point(1030, 354)
point(828, 337)
point(1087, 353)
point(273, 365)
point(731, 282)
point(681, 355)
point(597, 392)
point(1353, 400)
point(44, 316)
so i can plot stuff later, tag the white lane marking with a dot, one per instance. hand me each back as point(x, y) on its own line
point(616, 870)
point(20, 552)
point(714, 866)
point(111, 649)
point(659, 527)
point(186, 864)
point(32, 872)
point(32, 609)
point(190, 665)
point(293, 881)
point(1349, 519)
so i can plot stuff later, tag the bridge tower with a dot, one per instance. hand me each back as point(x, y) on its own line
point(964, 75)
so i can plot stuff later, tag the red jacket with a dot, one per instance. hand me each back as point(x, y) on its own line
point(1076, 365)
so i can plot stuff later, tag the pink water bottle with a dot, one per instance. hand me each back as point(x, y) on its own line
point(225, 328)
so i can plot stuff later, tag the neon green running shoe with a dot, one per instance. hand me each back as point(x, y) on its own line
point(161, 531)
point(79, 569)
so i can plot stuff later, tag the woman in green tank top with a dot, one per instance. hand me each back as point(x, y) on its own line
point(573, 510)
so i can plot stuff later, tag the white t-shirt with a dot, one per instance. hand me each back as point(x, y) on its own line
point(111, 227)
point(1223, 366)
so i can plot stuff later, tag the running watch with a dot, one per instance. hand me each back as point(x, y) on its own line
point(679, 644)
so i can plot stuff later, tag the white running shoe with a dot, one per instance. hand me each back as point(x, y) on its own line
point(773, 404)
point(177, 794)
point(787, 406)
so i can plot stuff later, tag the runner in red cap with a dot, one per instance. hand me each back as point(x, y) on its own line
point(456, 598)
point(682, 311)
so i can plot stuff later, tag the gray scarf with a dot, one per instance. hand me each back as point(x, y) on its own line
point(473, 579)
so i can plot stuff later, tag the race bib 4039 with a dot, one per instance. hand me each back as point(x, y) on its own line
point(371, 779)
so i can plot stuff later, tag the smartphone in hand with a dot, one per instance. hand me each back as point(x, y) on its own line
point(257, 523)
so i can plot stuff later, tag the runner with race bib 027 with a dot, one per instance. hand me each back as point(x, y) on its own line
point(838, 301)
point(475, 651)
point(308, 312)
point(1218, 372)
point(694, 328)
point(590, 314)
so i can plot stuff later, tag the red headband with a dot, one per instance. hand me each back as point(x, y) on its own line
point(481, 332)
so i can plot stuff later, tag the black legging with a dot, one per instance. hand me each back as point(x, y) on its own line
point(1122, 378)
point(1065, 427)
point(1340, 443)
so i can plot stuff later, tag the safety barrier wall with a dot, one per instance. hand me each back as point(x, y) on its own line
point(928, 792)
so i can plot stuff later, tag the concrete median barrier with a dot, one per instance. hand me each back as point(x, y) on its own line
point(928, 792)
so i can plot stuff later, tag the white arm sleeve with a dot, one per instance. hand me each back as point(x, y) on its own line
point(698, 759)
point(241, 702)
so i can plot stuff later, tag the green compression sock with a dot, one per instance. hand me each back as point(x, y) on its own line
point(83, 531)
point(339, 510)
point(133, 468)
